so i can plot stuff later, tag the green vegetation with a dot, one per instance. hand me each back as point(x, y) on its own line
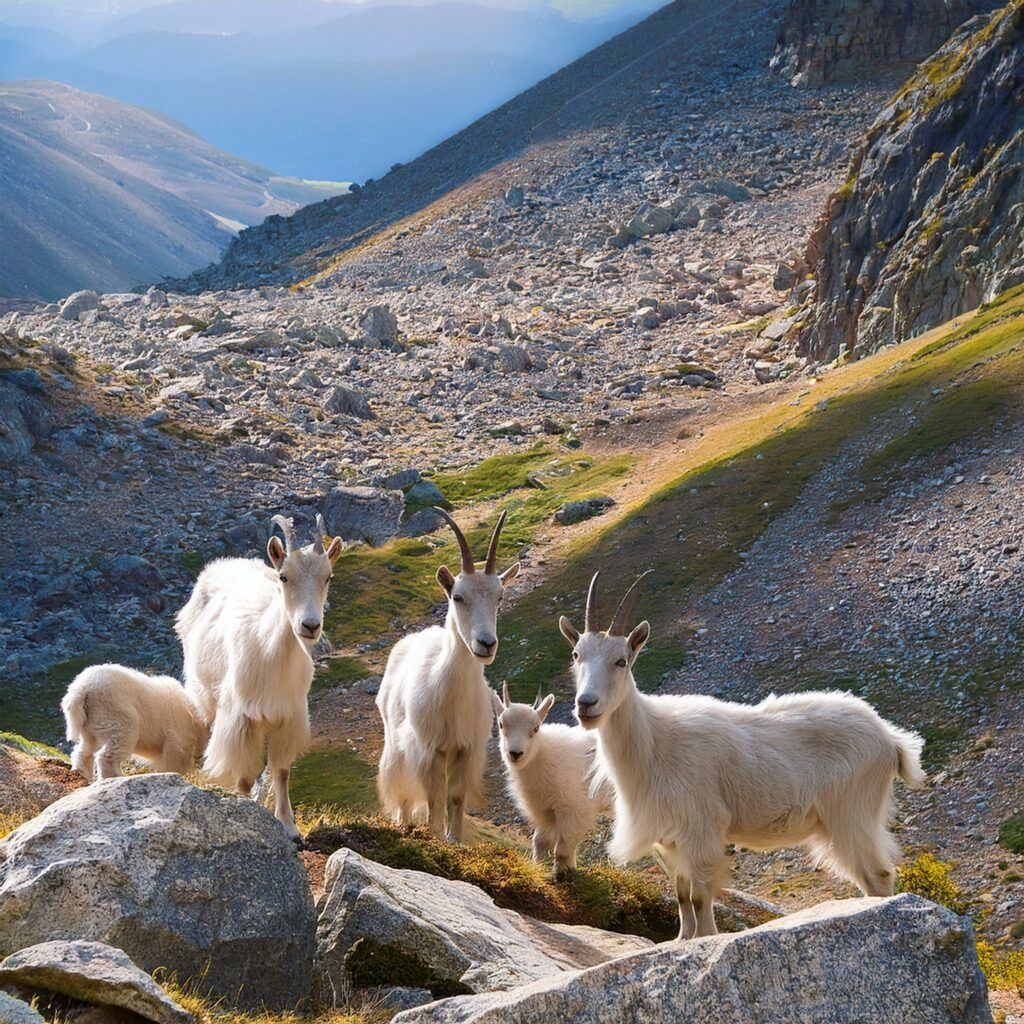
point(334, 776)
point(601, 896)
point(33, 747)
point(1003, 968)
point(370, 964)
point(1011, 834)
point(340, 671)
point(211, 1010)
point(930, 877)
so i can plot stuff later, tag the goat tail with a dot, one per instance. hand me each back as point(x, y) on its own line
point(75, 712)
point(909, 746)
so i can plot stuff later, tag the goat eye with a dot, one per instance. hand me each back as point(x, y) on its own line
point(621, 663)
point(458, 599)
point(575, 656)
point(536, 728)
point(283, 579)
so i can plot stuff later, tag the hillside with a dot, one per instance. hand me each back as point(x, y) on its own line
point(95, 193)
point(929, 221)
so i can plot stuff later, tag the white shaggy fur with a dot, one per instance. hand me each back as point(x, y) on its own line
point(694, 773)
point(549, 770)
point(436, 705)
point(246, 632)
point(113, 712)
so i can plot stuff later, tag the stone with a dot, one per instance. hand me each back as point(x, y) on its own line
point(514, 196)
point(887, 961)
point(15, 1011)
point(380, 325)
point(371, 515)
point(448, 931)
point(91, 972)
point(785, 278)
point(347, 402)
point(586, 508)
point(425, 492)
point(402, 479)
point(207, 887)
point(425, 521)
point(132, 574)
point(78, 303)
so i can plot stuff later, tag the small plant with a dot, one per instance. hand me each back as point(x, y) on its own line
point(929, 877)
point(1011, 834)
point(1003, 969)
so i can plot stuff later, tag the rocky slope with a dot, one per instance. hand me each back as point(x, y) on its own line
point(931, 218)
point(96, 193)
point(832, 40)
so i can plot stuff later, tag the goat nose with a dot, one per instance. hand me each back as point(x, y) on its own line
point(515, 754)
point(487, 643)
point(586, 702)
point(310, 625)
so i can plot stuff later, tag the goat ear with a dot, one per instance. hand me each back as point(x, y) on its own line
point(545, 706)
point(335, 549)
point(446, 579)
point(509, 574)
point(496, 703)
point(275, 552)
point(569, 631)
point(640, 635)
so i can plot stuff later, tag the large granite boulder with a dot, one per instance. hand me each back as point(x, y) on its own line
point(444, 935)
point(204, 886)
point(371, 515)
point(90, 972)
point(17, 1011)
point(901, 960)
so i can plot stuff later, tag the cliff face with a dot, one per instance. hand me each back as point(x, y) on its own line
point(831, 40)
point(930, 222)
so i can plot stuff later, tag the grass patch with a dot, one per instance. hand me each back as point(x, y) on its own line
point(334, 776)
point(340, 671)
point(604, 897)
point(930, 877)
point(36, 749)
point(211, 1010)
point(1011, 834)
point(1003, 968)
point(370, 964)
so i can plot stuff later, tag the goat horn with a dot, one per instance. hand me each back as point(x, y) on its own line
point(287, 528)
point(590, 620)
point(492, 548)
point(537, 699)
point(318, 536)
point(504, 695)
point(468, 565)
point(625, 609)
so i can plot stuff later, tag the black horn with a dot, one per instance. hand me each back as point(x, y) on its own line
point(468, 566)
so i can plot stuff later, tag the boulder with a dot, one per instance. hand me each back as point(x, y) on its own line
point(78, 303)
point(444, 935)
point(586, 508)
point(133, 574)
point(371, 515)
point(15, 1011)
point(426, 520)
point(207, 887)
point(348, 403)
point(883, 961)
point(91, 972)
point(379, 325)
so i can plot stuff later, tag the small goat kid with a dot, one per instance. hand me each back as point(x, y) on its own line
point(694, 773)
point(550, 769)
point(435, 703)
point(113, 712)
point(246, 633)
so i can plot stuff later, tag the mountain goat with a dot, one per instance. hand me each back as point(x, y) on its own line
point(246, 632)
point(549, 770)
point(113, 712)
point(694, 773)
point(434, 701)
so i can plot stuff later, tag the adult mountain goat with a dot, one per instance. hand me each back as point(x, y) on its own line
point(246, 633)
point(694, 773)
point(435, 703)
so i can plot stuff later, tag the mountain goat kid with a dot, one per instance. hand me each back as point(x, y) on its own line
point(246, 632)
point(435, 703)
point(113, 712)
point(694, 773)
point(549, 769)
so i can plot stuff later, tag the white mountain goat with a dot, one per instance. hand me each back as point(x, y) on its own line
point(435, 703)
point(549, 770)
point(113, 712)
point(694, 773)
point(246, 633)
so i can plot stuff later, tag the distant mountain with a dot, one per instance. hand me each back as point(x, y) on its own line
point(95, 193)
point(347, 96)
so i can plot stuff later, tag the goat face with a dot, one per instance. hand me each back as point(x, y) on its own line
point(518, 725)
point(304, 574)
point(602, 667)
point(473, 602)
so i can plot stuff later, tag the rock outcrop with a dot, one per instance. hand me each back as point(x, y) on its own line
point(206, 887)
point(831, 40)
point(890, 961)
point(90, 972)
point(930, 222)
point(448, 936)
